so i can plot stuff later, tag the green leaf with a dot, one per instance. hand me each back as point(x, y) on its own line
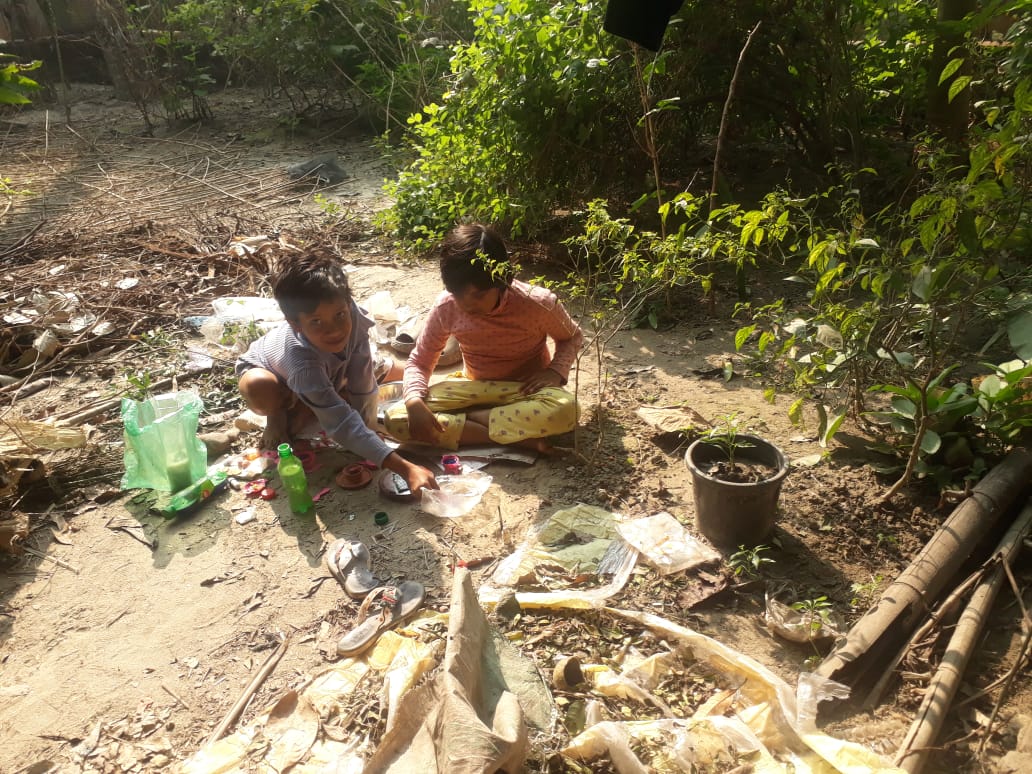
point(795, 411)
point(931, 442)
point(832, 428)
point(904, 406)
point(1019, 333)
point(922, 283)
point(958, 86)
point(951, 67)
point(741, 335)
point(729, 370)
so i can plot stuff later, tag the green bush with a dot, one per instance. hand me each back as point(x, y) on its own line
point(532, 102)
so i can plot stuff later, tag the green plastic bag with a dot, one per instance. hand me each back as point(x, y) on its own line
point(162, 450)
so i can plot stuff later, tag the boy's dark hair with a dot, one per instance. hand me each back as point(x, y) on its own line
point(304, 280)
point(474, 255)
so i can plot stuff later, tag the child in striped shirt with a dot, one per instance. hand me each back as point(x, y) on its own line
point(319, 362)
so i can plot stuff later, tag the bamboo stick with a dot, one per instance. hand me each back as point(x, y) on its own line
point(876, 637)
point(943, 687)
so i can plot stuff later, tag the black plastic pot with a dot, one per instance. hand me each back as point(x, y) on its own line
point(732, 514)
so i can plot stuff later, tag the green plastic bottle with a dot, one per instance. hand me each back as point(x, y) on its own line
point(292, 474)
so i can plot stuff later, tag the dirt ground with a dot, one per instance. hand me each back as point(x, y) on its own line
point(144, 630)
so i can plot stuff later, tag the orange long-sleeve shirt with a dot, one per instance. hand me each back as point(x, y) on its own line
point(509, 343)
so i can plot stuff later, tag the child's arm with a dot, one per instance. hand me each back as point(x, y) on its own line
point(340, 420)
point(568, 338)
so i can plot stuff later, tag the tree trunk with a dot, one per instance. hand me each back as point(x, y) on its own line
point(949, 118)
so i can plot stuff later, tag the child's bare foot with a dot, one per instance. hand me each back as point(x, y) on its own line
point(544, 447)
point(277, 431)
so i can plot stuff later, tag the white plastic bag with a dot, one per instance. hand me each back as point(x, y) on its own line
point(665, 543)
point(457, 496)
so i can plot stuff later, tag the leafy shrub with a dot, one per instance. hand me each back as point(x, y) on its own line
point(529, 105)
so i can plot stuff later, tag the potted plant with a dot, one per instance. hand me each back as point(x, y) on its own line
point(736, 479)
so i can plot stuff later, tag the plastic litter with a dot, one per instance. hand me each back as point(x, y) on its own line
point(457, 496)
point(583, 541)
point(811, 623)
point(162, 450)
point(665, 543)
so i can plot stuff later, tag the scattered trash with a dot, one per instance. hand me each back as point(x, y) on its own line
point(665, 543)
point(772, 727)
point(322, 168)
point(394, 604)
point(188, 499)
point(806, 621)
point(394, 487)
point(162, 450)
point(267, 494)
point(576, 556)
point(254, 488)
point(457, 496)
point(380, 518)
point(245, 516)
point(320, 494)
point(451, 464)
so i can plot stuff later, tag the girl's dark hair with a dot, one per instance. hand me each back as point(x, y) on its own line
point(304, 280)
point(474, 255)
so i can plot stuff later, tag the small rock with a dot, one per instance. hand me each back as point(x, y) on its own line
point(508, 607)
point(1024, 724)
point(249, 421)
point(218, 443)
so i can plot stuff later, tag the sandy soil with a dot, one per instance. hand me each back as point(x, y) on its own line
point(148, 629)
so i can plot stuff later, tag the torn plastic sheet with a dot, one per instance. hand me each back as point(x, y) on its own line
point(665, 543)
point(471, 717)
point(583, 542)
point(680, 745)
point(287, 732)
point(780, 720)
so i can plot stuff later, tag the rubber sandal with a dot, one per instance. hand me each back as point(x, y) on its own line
point(395, 603)
point(403, 343)
point(354, 476)
point(451, 354)
point(353, 574)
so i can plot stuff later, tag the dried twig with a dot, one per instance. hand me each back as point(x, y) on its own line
point(249, 691)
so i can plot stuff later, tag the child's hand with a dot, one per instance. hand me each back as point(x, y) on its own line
point(546, 377)
point(416, 476)
point(421, 478)
point(423, 425)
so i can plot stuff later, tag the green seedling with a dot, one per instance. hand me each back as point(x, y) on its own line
point(725, 435)
point(746, 562)
point(864, 594)
point(816, 612)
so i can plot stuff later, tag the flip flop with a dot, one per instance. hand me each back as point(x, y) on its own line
point(452, 353)
point(395, 604)
point(354, 476)
point(403, 343)
point(353, 574)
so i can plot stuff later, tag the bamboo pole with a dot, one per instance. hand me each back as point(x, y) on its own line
point(877, 637)
point(940, 692)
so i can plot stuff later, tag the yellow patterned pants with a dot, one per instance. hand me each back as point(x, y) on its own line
point(514, 416)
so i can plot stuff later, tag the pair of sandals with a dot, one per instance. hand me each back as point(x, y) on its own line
point(348, 562)
point(404, 343)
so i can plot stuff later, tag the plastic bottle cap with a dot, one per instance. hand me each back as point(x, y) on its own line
point(284, 450)
point(380, 518)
